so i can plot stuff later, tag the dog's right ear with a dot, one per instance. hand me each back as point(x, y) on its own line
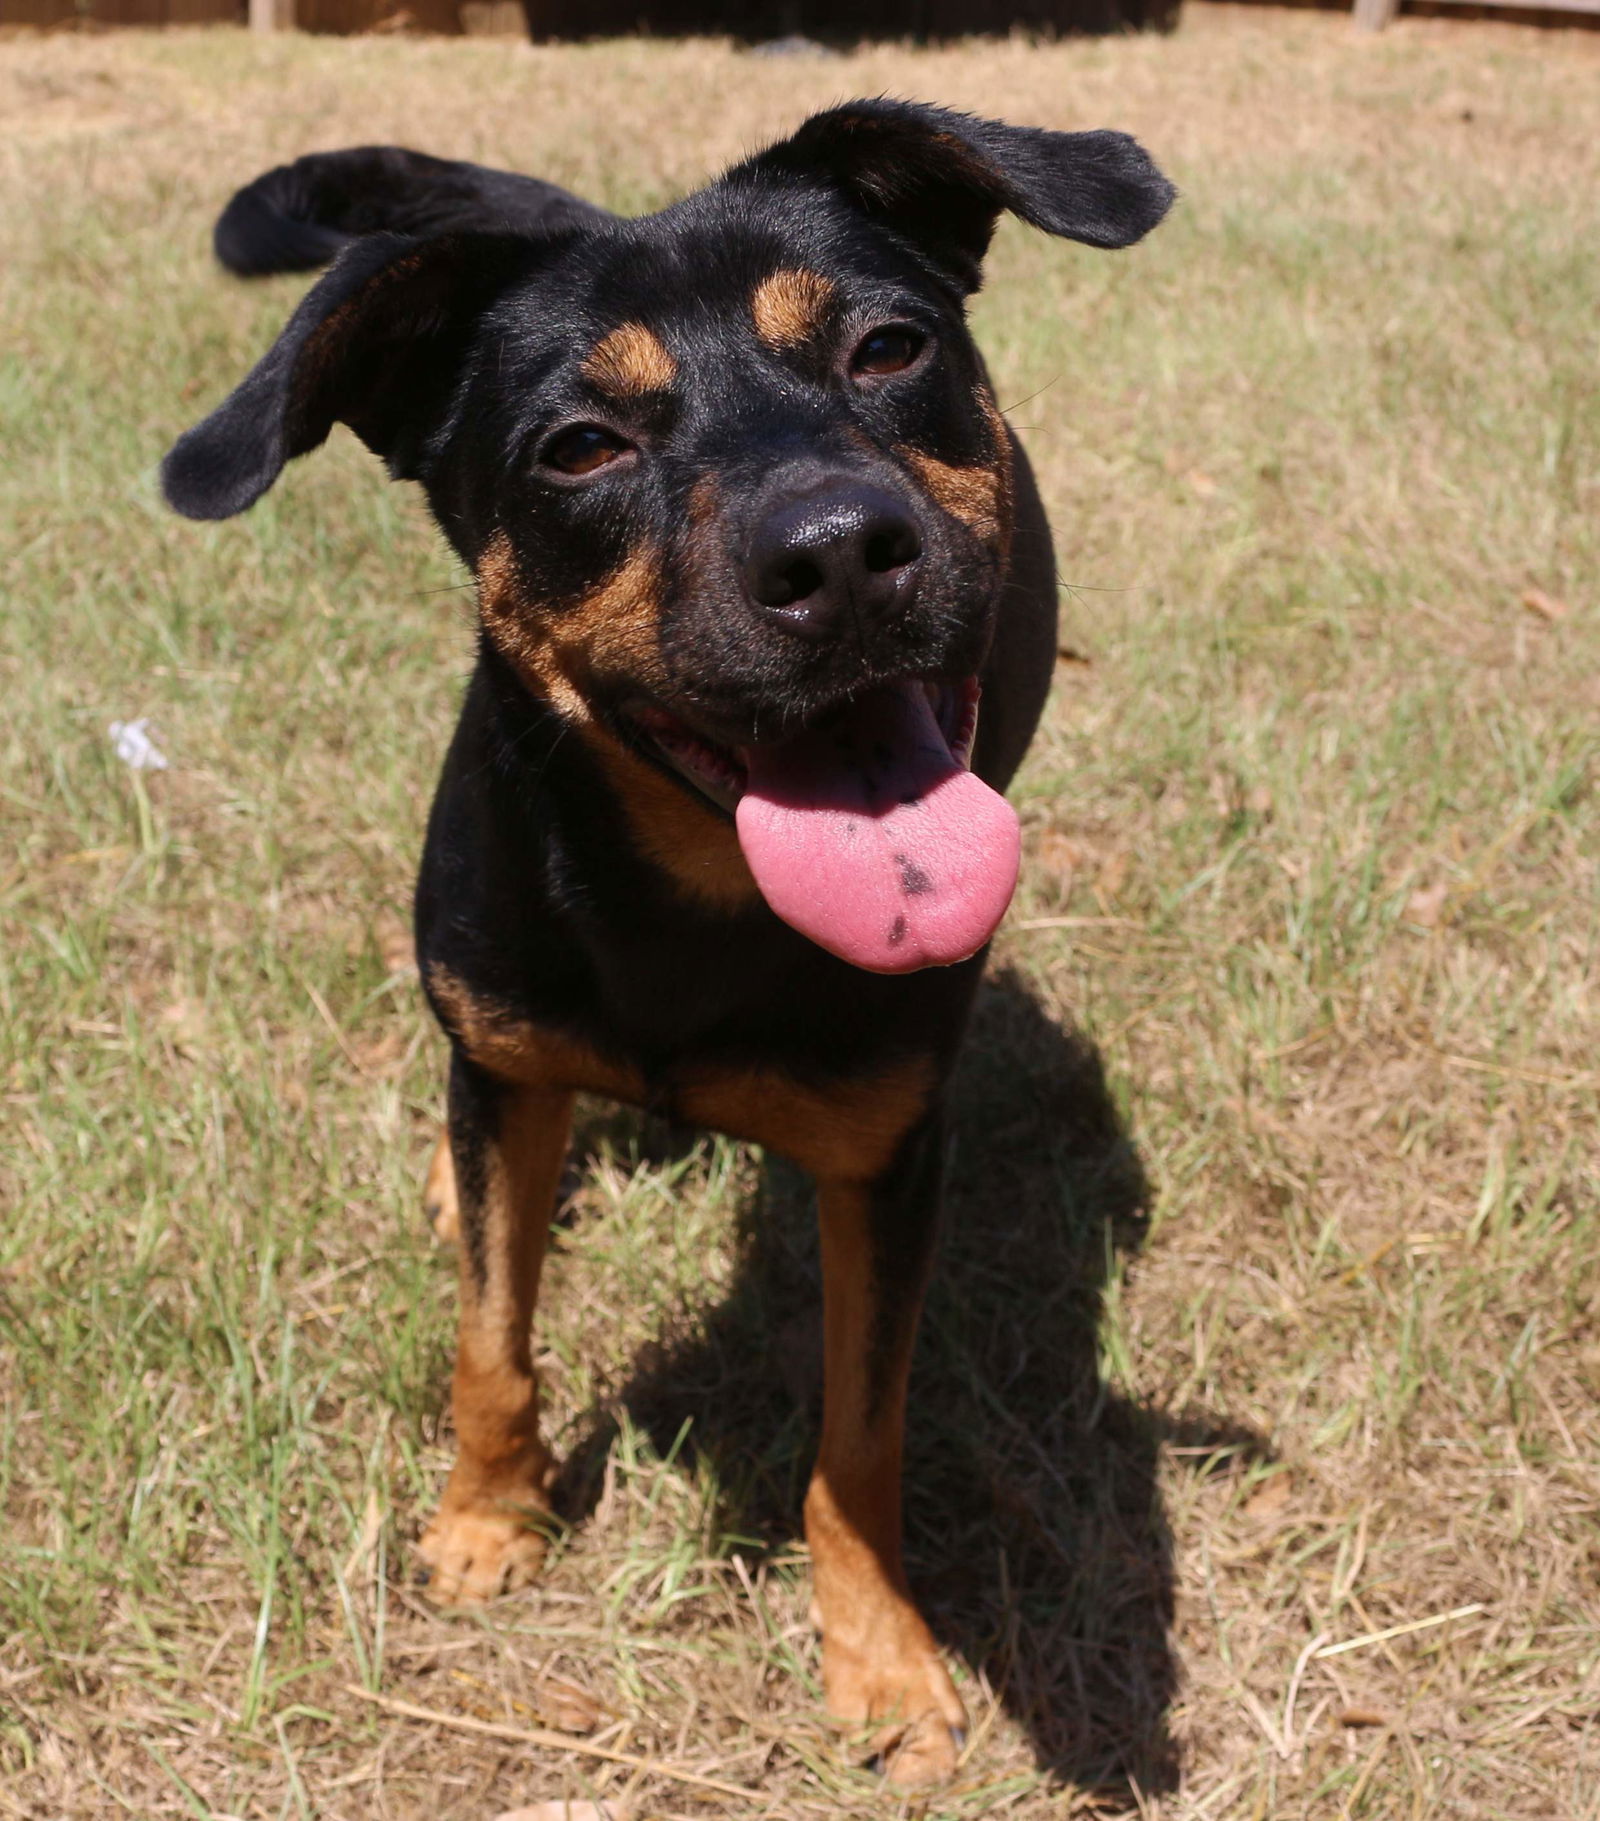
point(940, 180)
point(377, 344)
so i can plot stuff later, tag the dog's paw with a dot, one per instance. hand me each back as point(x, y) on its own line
point(470, 1554)
point(897, 1697)
point(439, 1200)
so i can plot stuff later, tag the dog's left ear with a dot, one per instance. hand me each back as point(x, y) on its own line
point(940, 180)
point(376, 344)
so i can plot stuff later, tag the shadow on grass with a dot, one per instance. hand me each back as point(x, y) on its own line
point(1036, 1539)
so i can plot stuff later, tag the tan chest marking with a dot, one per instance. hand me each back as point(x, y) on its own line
point(790, 306)
point(515, 1049)
point(848, 1131)
point(631, 362)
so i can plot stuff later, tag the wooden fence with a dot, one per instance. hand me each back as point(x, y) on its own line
point(339, 16)
point(551, 20)
point(845, 20)
point(59, 13)
point(1373, 15)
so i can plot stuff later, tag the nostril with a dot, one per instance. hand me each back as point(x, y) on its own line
point(794, 581)
point(891, 548)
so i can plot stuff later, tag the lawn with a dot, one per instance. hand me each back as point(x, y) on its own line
point(1255, 1453)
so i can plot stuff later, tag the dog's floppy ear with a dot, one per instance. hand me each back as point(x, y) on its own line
point(376, 344)
point(939, 180)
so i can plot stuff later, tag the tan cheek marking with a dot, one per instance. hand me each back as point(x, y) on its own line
point(516, 1049)
point(614, 627)
point(612, 632)
point(969, 494)
point(705, 500)
point(981, 495)
point(519, 630)
point(499, 582)
point(630, 362)
point(1004, 464)
point(844, 1133)
point(789, 307)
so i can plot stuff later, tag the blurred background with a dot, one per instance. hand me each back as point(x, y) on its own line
point(834, 22)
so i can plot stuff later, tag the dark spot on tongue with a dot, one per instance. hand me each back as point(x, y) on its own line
point(897, 930)
point(913, 880)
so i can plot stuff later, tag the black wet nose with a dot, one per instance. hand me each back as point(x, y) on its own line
point(844, 550)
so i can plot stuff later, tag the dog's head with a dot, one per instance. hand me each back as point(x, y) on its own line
point(731, 477)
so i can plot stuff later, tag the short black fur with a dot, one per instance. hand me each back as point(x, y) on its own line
point(297, 216)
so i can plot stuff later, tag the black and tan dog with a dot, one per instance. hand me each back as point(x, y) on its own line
point(719, 833)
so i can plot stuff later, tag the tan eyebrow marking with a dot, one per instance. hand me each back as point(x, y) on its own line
point(789, 306)
point(630, 361)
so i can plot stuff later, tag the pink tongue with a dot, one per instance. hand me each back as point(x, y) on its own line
point(867, 836)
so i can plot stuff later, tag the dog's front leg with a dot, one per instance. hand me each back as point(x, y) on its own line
point(880, 1666)
point(507, 1146)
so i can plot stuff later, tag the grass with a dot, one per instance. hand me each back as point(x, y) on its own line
point(1267, 1319)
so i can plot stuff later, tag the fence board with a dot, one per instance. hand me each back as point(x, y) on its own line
point(47, 15)
point(1532, 6)
point(841, 19)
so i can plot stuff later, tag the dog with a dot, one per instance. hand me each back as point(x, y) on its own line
point(721, 831)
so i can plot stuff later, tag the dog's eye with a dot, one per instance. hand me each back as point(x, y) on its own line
point(887, 350)
point(582, 448)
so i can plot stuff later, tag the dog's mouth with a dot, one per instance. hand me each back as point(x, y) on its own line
point(721, 772)
point(865, 830)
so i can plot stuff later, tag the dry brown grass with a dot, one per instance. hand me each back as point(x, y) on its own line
point(1266, 1321)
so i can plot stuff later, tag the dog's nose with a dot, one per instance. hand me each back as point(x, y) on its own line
point(848, 549)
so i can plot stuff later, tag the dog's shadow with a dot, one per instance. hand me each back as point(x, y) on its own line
point(1036, 1539)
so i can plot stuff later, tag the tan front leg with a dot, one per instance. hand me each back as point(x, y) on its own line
point(507, 1144)
point(439, 1194)
point(881, 1668)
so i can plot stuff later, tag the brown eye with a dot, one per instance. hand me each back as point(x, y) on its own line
point(886, 351)
point(582, 449)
